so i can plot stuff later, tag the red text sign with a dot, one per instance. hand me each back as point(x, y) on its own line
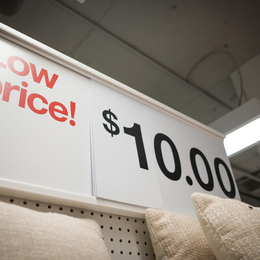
point(20, 67)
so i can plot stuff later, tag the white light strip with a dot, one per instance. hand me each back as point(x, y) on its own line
point(243, 137)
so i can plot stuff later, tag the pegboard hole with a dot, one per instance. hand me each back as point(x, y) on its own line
point(60, 208)
point(111, 239)
point(121, 252)
point(144, 232)
point(49, 206)
point(110, 216)
point(129, 241)
point(128, 230)
point(82, 211)
point(138, 253)
point(120, 229)
point(145, 243)
point(71, 210)
point(92, 213)
point(11, 200)
point(102, 226)
point(37, 204)
point(112, 251)
point(101, 215)
point(136, 231)
point(130, 253)
point(120, 240)
point(111, 228)
point(119, 218)
point(25, 202)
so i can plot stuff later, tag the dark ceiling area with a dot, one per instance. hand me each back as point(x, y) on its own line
point(183, 53)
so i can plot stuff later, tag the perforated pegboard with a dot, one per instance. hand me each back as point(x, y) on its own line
point(125, 237)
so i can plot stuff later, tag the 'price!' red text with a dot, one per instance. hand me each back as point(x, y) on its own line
point(57, 110)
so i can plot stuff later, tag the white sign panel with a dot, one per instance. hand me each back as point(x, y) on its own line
point(44, 122)
point(122, 150)
point(141, 155)
point(188, 160)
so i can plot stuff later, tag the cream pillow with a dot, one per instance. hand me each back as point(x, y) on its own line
point(231, 227)
point(29, 235)
point(176, 236)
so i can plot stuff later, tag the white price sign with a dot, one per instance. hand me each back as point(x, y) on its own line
point(144, 157)
point(44, 124)
point(121, 150)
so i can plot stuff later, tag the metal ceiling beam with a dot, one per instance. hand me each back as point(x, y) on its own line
point(256, 191)
point(143, 55)
point(255, 178)
point(245, 174)
point(249, 195)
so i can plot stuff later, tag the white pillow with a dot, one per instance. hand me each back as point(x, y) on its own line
point(176, 236)
point(29, 235)
point(231, 227)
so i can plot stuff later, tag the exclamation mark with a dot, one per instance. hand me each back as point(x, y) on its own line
point(72, 111)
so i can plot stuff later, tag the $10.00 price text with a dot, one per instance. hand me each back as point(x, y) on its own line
point(135, 131)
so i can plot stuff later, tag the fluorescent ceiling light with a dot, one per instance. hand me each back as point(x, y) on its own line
point(242, 138)
point(241, 127)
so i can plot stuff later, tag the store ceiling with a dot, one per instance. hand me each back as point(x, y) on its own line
point(179, 52)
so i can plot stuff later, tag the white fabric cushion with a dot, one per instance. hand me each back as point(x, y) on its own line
point(231, 227)
point(27, 234)
point(176, 236)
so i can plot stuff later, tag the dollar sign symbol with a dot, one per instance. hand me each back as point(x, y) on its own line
point(114, 129)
